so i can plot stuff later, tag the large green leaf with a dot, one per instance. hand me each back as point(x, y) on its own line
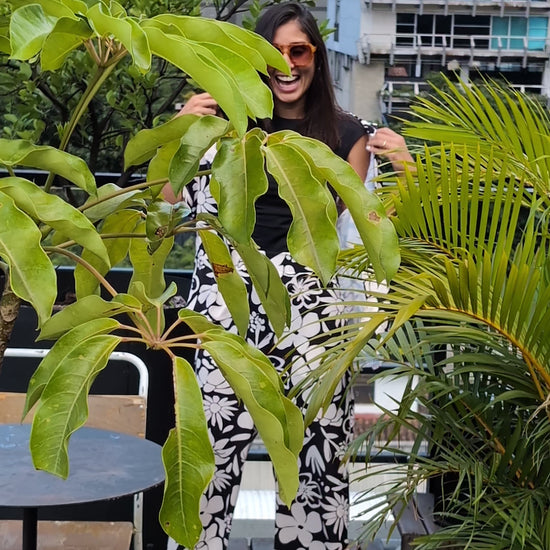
point(264, 276)
point(29, 27)
point(63, 406)
point(279, 423)
point(312, 207)
point(375, 228)
point(229, 281)
point(188, 460)
point(111, 198)
point(86, 309)
point(79, 331)
point(149, 267)
point(116, 230)
point(193, 144)
point(55, 8)
point(67, 35)
point(238, 180)
point(248, 45)
point(57, 213)
point(257, 96)
point(145, 143)
point(32, 275)
point(203, 67)
point(159, 166)
point(255, 381)
point(5, 45)
point(20, 152)
point(268, 285)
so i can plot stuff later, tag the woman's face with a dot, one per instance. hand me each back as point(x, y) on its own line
point(290, 91)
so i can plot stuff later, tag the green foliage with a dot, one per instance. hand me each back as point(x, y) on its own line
point(86, 46)
point(31, 98)
point(466, 318)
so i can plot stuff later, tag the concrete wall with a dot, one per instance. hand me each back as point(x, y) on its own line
point(378, 26)
point(367, 83)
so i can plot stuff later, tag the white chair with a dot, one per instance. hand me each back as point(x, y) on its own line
point(121, 413)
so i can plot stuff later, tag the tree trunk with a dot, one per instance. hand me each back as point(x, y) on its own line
point(9, 308)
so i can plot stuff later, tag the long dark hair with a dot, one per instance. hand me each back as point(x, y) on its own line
point(321, 108)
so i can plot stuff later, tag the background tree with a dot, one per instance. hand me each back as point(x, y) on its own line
point(466, 320)
point(112, 222)
point(31, 98)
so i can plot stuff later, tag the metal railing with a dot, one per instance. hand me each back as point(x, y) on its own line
point(402, 92)
point(472, 46)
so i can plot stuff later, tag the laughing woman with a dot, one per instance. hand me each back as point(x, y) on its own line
point(303, 102)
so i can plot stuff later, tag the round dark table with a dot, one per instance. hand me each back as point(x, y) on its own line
point(103, 465)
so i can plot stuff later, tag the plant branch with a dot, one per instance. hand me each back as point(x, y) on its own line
point(101, 279)
point(104, 69)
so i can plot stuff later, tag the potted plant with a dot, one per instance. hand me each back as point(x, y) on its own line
point(466, 320)
point(135, 221)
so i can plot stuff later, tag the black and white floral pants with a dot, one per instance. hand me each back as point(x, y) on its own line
point(318, 518)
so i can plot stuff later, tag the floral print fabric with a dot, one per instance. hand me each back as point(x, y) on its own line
point(318, 517)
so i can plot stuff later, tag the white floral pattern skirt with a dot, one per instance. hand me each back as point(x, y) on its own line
point(318, 518)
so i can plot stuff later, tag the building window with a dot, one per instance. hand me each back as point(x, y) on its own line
point(514, 33)
point(441, 30)
point(461, 31)
point(336, 34)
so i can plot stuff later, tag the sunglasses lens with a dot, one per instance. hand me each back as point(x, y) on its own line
point(301, 54)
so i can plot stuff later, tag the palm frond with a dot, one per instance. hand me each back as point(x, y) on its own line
point(466, 318)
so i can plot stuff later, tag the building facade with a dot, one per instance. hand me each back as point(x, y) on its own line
point(383, 50)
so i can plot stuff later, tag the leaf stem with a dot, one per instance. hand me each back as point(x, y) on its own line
point(104, 69)
point(101, 279)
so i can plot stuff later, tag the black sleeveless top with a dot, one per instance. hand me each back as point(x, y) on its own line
point(273, 216)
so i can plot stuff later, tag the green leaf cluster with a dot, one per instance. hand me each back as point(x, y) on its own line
point(466, 320)
point(96, 227)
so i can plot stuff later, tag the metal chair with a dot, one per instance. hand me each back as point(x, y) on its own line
point(121, 413)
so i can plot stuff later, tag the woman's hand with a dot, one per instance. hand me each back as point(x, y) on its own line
point(200, 104)
point(391, 145)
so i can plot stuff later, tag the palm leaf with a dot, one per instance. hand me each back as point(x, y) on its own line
point(466, 319)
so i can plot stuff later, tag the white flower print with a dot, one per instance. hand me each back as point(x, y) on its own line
point(309, 492)
point(337, 512)
point(212, 381)
point(259, 334)
point(314, 520)
point(217, 409)
point(210, 508)
point(209, 539)
point(314, 461)
point(298, 526)
point(221, 481)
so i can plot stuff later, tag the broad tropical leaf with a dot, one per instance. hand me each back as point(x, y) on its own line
point(20, 152)
point(312, 206)
point(188, 460)
point(82, 329)
point(238, 179)
point(375, 228)
point(229, 281)
point(255, 381)
point(32, 275)
point(63, 405)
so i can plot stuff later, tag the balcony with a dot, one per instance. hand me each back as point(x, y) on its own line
point(396, 95)
point(524, 5)
point(471, 47)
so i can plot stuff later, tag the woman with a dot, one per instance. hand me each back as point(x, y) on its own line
point(304, 102)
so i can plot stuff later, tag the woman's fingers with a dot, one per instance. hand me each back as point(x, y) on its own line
point(200, 104)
